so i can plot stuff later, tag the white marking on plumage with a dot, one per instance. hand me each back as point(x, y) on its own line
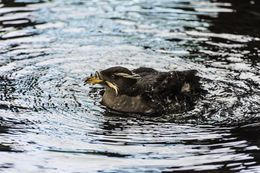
point(113, 86)
point(131, 76)
point(185, 87)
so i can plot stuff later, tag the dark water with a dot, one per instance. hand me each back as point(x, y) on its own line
point(51, 122)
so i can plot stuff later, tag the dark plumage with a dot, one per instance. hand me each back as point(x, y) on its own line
point(148, 91)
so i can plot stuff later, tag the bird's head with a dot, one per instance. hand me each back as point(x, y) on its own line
point(117, 78)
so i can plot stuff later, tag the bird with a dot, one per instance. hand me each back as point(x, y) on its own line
point(147, 91)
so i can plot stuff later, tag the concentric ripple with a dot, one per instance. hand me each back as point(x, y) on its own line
point(51, 122)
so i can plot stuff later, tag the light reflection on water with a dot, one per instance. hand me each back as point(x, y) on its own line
point(51, 122)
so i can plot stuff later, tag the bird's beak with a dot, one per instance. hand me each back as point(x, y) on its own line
point(94, 79)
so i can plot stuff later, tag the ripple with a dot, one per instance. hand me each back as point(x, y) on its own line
point(51, 121)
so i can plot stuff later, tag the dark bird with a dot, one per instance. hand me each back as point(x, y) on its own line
point(148, 91)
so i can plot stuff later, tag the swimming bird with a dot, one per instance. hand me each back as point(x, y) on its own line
point(148, 91)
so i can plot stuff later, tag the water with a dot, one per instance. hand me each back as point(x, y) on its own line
point(51, 122)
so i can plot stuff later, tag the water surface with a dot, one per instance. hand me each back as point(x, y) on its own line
point(51, 122)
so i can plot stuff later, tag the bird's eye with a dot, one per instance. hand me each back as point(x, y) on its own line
point(114, 76)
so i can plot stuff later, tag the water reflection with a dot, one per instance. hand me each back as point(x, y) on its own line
point(15, 3)
point(7, 128)
point(15, 17)
point(235, 52)
point(236, 43)
point(4, 129)
point(206, 148)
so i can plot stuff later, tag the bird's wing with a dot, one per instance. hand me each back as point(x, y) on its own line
point(143, 71)
point(178, 82)
point(164, 87)
point(146, 83)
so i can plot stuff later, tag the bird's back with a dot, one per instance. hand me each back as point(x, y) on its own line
point(174, 90)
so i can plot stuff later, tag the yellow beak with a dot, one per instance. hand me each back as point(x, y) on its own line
point(93, 80)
